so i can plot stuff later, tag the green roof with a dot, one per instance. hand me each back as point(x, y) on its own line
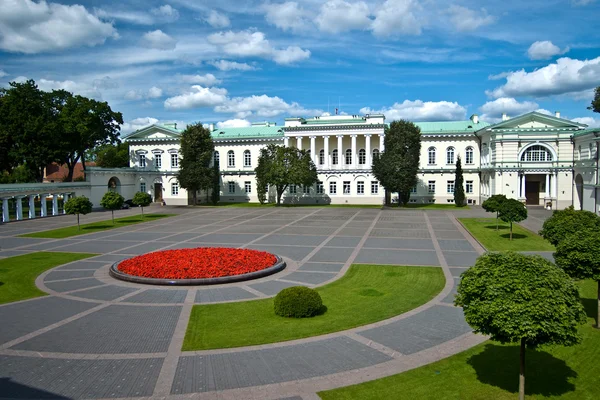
point(255, 132)
point(586, 132)
point(450, 127)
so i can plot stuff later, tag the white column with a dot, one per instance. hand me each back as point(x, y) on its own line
point(555, 186)
point(286, 141)
point(44, 210)
point(381, 146)
point(523, 186)
point(326, 150)
point(547, 185)
point(65, 199)
point(368, 150)
point(19, 207)
point(32, 206)
point(54, 204)
point(353, 164)
point(313, 152)
point(340, 152)
point(5, 210)
point(299, 142)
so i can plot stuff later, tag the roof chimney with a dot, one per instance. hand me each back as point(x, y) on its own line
point(557, 114)
point(505, 117)
point(211, 127)
point(475, 118)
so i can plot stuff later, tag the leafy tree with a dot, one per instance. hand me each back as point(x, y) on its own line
point(112, 201)
point(197, 149)
point(78, 205)
point(519, 298)
point(595, 107)
point(261, 191)
point(112, 156)
point(396, 168)
point(511, 211)
point(493, 203)
point(215, 194)
point(459, 190)
point(20, 174)
point(578, 255)
point(142, 199)
point(565, 222)
point(281, 166)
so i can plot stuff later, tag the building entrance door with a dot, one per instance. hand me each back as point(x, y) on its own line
point(158, 192)
point(532, 192)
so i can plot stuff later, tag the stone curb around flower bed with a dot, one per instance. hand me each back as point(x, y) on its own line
point(278, 266)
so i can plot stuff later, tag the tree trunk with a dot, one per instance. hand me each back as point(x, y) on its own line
point(113, 216)
point(497, 221)
point(598, 314)
point(510, 230)
point(142, 213)
point(83, 165)
point(195, 197)
point(78, 227)
point(522, 371)
point(279, 196)
point(69, 177)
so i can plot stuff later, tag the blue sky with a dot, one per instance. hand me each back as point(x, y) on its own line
point(235, 62)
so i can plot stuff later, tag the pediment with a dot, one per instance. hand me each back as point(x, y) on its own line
point(153, 132)
point(536, 120)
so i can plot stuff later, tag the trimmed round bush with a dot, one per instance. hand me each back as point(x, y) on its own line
point(298, 302)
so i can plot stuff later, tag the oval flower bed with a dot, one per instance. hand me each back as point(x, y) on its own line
point(203, 265)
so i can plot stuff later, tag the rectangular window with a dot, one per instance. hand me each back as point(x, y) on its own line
point(360, 187)
point(231, 187)
point(248, 186)
point(142, 160)
point(158, 160)
point(306, 189)
point(346, 187)
point(332, 187)
point(413, 189)
point(292, 189)
point(450, 187)
point(374, 187)
point(174, 188)
point(319, 187)
point(431, 186)
point(143, 187)
point(469, 187)
point(174, 160)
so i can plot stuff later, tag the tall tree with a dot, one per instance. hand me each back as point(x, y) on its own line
point(397, 167)
point(459, 190)
point(518, 298)
point(112, 156)
point(282, 166)
point(215, 194)
point(492, 204)
point(197, 149)
point(511, 211)
point(595, 107)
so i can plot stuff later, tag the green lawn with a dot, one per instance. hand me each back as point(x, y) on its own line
point(484, 230)
point(18, 274)
point(491, 371)
point(366, 294)
point(94, 226)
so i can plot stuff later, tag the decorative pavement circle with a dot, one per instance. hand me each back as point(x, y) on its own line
point(96, 337)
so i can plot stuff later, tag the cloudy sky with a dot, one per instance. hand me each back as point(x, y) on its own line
point(234, 62)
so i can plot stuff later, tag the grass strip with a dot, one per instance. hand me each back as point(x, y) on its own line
point(366, 294)
point(18, 274)
point(70, 231)
point(484, 230)
point(491, 371)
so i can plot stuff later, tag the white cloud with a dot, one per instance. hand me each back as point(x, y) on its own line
point(152, 93)
point(287, 16)
point(493, 110)
point(395, 17)
point(234, 123)
point(465, 19)
point(197, 97)
point(137, 123)
point(263, 106)
point(419, 110)
point(217, 20)
point(2, 73)
point(582, 2)
point(29, 27)
point(544, 50)
point(339, 16)
point(80, 88)
point(250, 43)
point(225, 65)
point(204, 80)
point(567, 75)
point(589, 121)
point(158, 40)
point(132, 17)
point(21, 79)
point(166, 13)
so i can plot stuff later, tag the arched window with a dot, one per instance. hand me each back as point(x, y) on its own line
point(469, 155)
point(348, 157)
point(431, 156)
point(450, 155)
point(536, 153)
point(334, 157)
point(362, 157)
point(375, 153)
point(247, 159)
point(230, 159)
point(322, 157)
point(216, 157)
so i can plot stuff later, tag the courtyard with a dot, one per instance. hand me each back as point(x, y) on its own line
point(97, 337)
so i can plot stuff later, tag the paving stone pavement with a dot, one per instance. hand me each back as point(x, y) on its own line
point(95, 337)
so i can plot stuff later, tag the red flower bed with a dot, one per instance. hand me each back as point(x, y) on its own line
point(202, 262)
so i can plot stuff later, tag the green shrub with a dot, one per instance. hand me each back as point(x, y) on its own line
point(298, 302)
point(568, 221)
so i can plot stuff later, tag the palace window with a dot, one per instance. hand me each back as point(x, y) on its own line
point(431, 156)
point(174, 188)
point(216, 158)
point(247, 159)
point(231, 186)
point(334, 157)
point(348, 157)
point(450, 187)
point(319, 187)
point(374, 187)
point(536, 153)
point(306, 189)
point(469, 155)
point(431, 186)
point(469, 187)
point(248, 186)
point(230, 159)
point(142, 160)
point(450, 155)
point(292, 189)
point(332, 187)
point(360, 187)
point(375, 153)
point(174, 160)
point(346, 187)
point(143, 187)
point(322, 157)
point(362, 157)
point(158, 160)
point(413, 190)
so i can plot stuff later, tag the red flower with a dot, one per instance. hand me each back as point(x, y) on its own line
point(202, 262)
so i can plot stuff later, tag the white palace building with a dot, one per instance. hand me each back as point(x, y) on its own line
point(539, 159)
